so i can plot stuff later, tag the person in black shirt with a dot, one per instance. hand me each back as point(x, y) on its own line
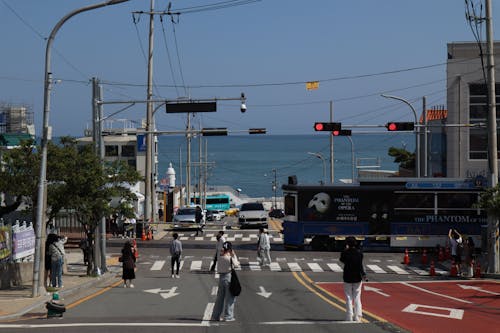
point(354, 273)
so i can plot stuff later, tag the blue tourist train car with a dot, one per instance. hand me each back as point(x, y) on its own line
point(389, 212)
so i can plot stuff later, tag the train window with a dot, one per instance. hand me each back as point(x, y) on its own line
point(290, 205)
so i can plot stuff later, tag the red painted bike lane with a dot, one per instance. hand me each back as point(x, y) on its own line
point(437, 306)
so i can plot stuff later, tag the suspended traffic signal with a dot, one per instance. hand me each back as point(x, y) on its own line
point(404, 126)
point(214, 131)
point(257, 131)
point(320, 127)
point(342, 133)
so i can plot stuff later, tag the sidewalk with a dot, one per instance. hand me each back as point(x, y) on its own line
point(16, 302)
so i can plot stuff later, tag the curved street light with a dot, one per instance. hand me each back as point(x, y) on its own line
point(46, 136)
point(318, 155)
point(417, 136)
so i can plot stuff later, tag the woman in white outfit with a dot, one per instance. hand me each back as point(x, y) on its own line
point(264, 248)
point(224, 304)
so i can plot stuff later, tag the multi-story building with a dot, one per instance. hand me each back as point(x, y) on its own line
point(466, 130)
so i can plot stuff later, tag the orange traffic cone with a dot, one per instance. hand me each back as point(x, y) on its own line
point(453, 269)
point(143, 236)
point(424, 257)
point(477, 271)
point(406, 259)
point(432, 271)
point(441, 254)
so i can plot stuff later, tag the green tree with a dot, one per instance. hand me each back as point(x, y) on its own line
point(405, 159)
point(19, 177)
point(77, 181)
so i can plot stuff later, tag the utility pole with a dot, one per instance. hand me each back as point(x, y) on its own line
point(188, 160)
point(493, 245)
point(275, 188)
point(149, 130)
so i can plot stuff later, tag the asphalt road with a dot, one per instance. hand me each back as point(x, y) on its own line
point(299, 292)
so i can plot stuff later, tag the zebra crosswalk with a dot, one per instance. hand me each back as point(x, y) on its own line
point(284, 265)
point(235, 236)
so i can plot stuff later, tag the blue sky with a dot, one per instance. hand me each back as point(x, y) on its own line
point(266, 49)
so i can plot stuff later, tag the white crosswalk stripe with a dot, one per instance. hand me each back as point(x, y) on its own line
point(397, 269)
point(196, 265)
point(335, 267)
point(157, 265)
point(377, 269)
point(294, 265)
point(315, 267)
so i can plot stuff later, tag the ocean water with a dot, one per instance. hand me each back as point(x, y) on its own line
point(247, 162)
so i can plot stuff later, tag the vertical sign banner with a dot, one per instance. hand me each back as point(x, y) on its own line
point(5, 246)
point(141, 142)
point(23, 243)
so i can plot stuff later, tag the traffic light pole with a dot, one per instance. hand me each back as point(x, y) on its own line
point(417, 131)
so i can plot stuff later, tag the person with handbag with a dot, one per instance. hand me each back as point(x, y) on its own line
point(57, 254)
point(224, 303)
point(353, 274)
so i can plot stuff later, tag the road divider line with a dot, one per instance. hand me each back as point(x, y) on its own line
point(338, 299)
point(314, 291)
point(207, 314)
point(100, 292)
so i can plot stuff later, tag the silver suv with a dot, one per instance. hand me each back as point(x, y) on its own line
point(252, 214)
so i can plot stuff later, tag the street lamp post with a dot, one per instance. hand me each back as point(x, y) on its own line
point(318, 155)
point(417, 131)
point(46, 137)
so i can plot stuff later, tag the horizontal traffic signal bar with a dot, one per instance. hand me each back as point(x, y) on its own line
point(257, 131)
point(400, 126)
point(342, 133)
point(214, 131)
point(327, 126)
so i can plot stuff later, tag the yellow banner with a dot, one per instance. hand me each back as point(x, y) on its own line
point(5, 246)
point(312, 85)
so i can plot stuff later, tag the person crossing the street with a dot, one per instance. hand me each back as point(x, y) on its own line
point(218, 248)
point(175, 252)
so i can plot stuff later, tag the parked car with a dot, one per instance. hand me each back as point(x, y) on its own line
point(213, 215)
point(252, 214)
point(277, 213)
point(185, 217)
point(231, 212)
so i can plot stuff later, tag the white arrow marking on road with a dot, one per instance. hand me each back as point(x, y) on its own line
point(464, 286)
point(167, 293)
point(264, 293)
point(376, 290)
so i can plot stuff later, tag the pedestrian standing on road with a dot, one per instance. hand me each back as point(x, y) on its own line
point(198, 216)
point(218, 248)
point(264, 248)
point(128, 265)
point(353, 275)
point(57, 253)
point(224, 304)
point(175, 252)
point(51, 238)
point(456, 244)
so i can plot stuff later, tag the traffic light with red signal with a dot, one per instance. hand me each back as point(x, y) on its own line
point(327, 127)
point(401, 126)
point(342, 133)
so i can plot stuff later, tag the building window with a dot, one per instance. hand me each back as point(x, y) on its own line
point(111, 150)
point(128, 151)
point(478, 113)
